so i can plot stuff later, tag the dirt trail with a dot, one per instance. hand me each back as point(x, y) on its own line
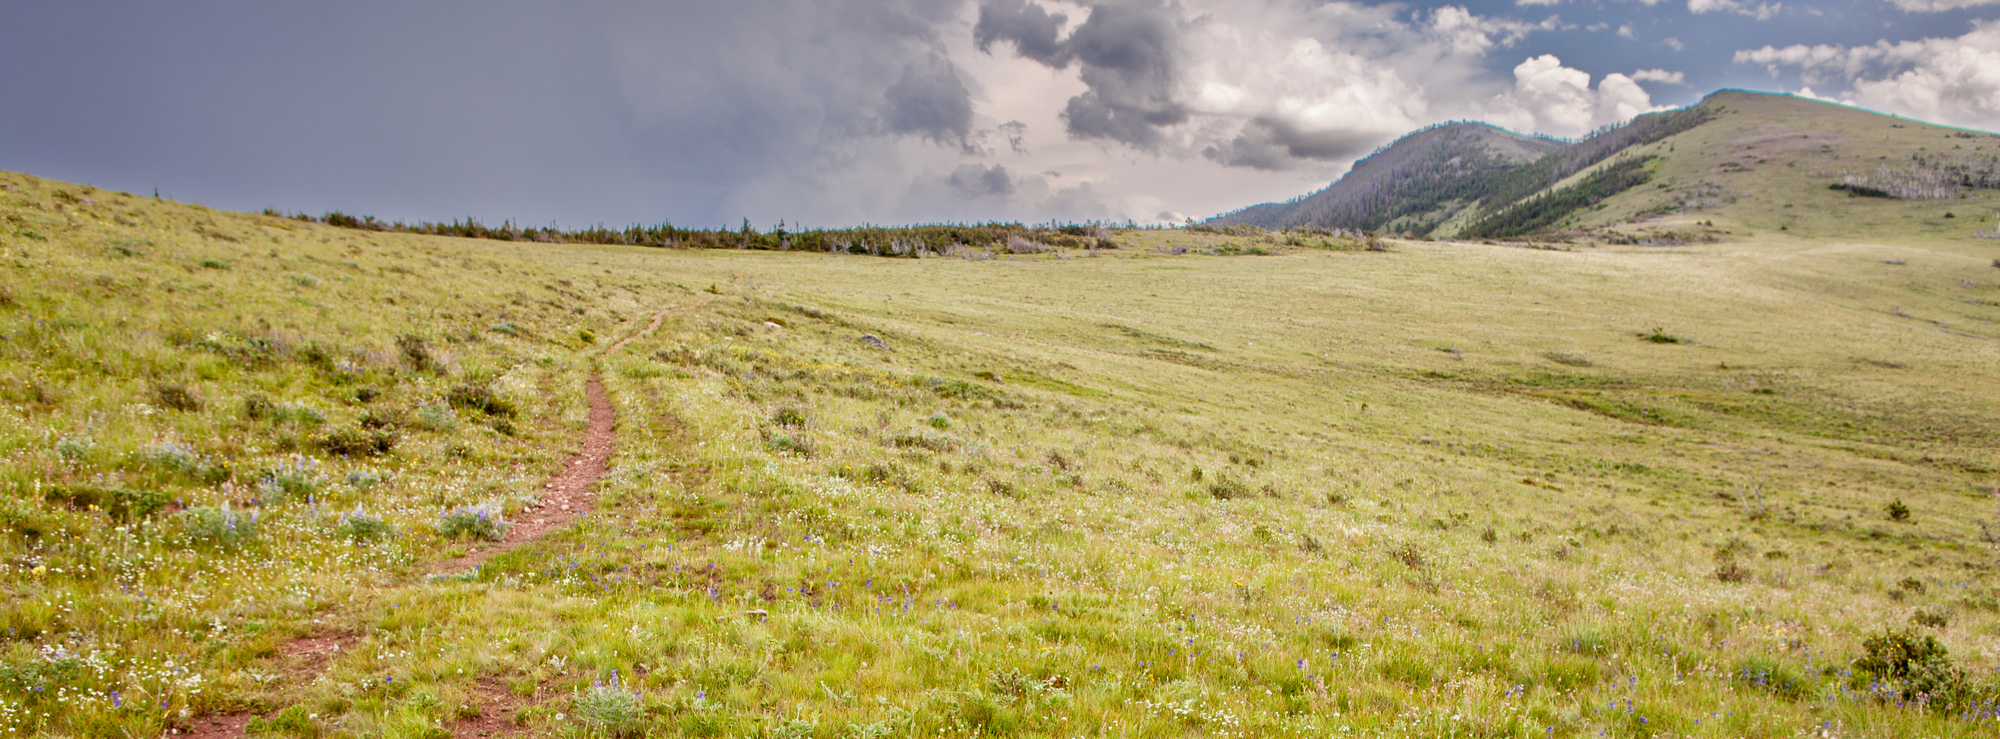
point(571, 493)
point(566, 496)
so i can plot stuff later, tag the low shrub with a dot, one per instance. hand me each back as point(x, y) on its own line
point(356, 442)
point(437, 417)
point(180, 460)
point(1898, 511)
point(359, 525)
point(365, 479)
point(417, 353)
point(75, 448)
point(1660, 336)
point(481, 521)
point(482, 399)
point(298, 476)
point(1933, 619)
point(1773, 676)
point(1911, 667)
point(217, 525)
point(119, 502)
point(177, 396)
point(608, 709)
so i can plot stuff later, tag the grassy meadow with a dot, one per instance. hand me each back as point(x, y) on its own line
point(1199, 485)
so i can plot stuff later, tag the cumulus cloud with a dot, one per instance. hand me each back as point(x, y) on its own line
point(1267, 86)
point(1948, 80)
point(1035, 32)
point(1127, 55)
point(1552, 98)
point(1660, 75)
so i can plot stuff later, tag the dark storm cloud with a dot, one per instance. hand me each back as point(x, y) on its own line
point(1126, 52)
point(930, 101)
point(1033, 30)
point(613, 111)
point(978, 181)
point(1276, 144)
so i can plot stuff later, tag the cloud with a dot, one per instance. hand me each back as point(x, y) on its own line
point(1127, 55)
point(1275, 144)
point(1674, 43)
point(929, 101)
point(1939, 6)
point(1469, 34)
point(1266, 86)
point(1947, 80)
point(1760, 11)
point(808, 112)
point(1034, 31)
point(971, 192)
point(1551, 98)
point(1626, 31)
point(1660, 75)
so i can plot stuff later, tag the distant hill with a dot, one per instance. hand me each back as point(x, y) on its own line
point(1412, 185)
point(1736, 160)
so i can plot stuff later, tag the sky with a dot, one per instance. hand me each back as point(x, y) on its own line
point(827, 113)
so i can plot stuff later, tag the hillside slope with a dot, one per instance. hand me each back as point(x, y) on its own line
point(1734, 162)
point(1432, 491)
point(1412, 185)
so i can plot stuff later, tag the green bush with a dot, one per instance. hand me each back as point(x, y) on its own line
point(359, 525)
point(1911, 667)
point(608, 709)
point(482, 399)
point(120, 502)
point(1773, 676)
point(217, 525)
point(299, 476)
point(482, 521)
point(437, 417)
point(177, 396)
point(355, 442)
point(177, 459)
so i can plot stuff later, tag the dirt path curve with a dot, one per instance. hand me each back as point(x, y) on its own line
point(571, 493)
point(566, 496)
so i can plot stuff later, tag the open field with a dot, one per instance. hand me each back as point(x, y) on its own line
point(1443, 490)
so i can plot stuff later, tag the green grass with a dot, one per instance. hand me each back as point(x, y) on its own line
point(1457, 495)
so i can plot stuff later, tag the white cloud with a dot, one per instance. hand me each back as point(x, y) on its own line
point(1660, 75)
point(1550, 98)
point(1946, 80)
point(1760, 11)
point(1939, 6)
point(1470, 34)
point(1627, 31)
point(1674, 43)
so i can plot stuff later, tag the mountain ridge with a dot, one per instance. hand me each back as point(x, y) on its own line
point(1506, 199)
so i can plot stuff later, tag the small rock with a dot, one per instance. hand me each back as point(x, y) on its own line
point(768, 324)
point(874, 341)
point(757, 613)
